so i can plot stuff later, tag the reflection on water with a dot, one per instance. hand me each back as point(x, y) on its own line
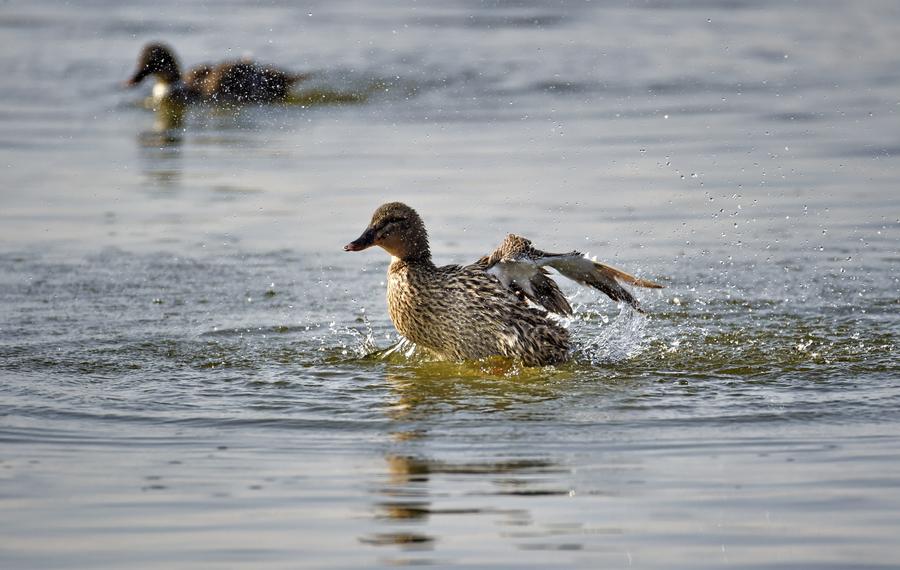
point(490, 386)
point(418, 492)
point(169, 115)
point(160, 152)
point(408, 496)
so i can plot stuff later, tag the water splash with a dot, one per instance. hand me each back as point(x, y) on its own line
point(403, 348)
point(364, 342)
point(618, 339)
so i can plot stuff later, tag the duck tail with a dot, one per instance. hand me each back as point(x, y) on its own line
point(295, 78)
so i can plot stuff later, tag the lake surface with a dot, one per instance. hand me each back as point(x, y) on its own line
point(189, 365)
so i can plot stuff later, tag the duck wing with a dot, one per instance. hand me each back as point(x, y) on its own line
point(522, 274)
point(521, 268)
point(529, 281)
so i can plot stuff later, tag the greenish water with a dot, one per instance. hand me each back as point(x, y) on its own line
point(192, 372)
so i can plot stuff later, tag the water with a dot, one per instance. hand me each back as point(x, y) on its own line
point(186, 362)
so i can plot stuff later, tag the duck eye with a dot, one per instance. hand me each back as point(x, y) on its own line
point(391, 225)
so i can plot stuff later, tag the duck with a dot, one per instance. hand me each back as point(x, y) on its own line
point(234, 82)
point(505, 304)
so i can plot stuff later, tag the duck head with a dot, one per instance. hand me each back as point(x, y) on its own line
point(156, 59)
point(398, 229)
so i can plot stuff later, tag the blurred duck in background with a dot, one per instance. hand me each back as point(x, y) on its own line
point(235, 82)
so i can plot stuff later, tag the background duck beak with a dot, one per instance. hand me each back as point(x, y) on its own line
point(135, 79)
point(366, 240)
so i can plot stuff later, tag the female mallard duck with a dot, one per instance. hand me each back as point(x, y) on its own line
point(230, 82)
point(479, 310)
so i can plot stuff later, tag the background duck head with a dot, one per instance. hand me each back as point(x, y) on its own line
point(159, 60)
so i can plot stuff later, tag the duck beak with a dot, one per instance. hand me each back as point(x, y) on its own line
point(366, 240)
point(138, 76)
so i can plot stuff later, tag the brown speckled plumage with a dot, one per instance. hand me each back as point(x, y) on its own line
point(472, 311)
point(462, 312)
